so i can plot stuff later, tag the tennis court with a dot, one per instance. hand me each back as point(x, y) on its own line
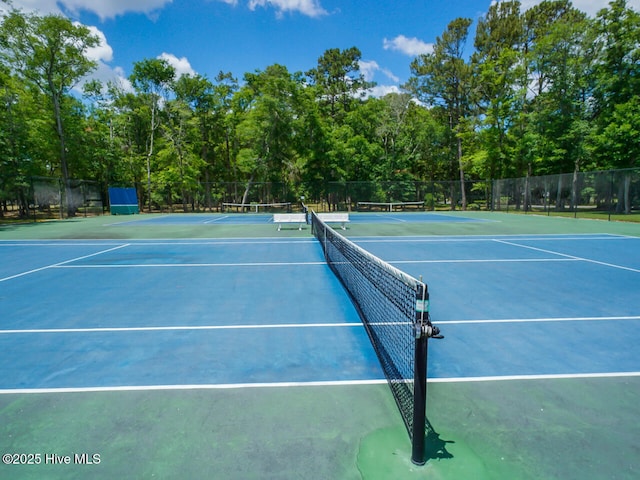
point(214, 346)
point(397, 218)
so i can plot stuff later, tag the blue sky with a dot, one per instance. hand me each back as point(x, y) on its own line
point(239, 36)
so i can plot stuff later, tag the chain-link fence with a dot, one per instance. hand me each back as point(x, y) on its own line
point(600, 194)
point(47, 197)
point(403, 194)
point(323, 196)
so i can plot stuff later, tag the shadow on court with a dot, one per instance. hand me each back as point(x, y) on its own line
point(436, 447)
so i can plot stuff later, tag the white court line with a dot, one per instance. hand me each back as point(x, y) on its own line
point(553, 376)
point(223, 386)
point(279, 240)
point(229, 386)
point(178, 328)
point(137, 220)
point(58, 244)
point(621, 267)
point(239, 241)
point(158, 242)
point(215, 220)
point(536, 320)
point(300, 325)
point(386, 216)
point(488, 260)
point(486, 238)
point(194, 265)
point(55, 265)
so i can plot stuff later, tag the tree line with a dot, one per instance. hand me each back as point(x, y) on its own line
point(536, 92)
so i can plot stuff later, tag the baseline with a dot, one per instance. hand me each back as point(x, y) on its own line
point(210, 386)
point(176, 328)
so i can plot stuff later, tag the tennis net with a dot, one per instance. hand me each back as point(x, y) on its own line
point(390, 206)
point(394, 308)
point(257, 207)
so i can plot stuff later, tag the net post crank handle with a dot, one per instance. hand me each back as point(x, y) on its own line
point(424, 327)
point(431, 331)
point(428, 330)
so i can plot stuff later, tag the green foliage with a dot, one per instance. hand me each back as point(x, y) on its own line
point(338, 81)
point(48, 54)
point(544, 91)
point(618, 142)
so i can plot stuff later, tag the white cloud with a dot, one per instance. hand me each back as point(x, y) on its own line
point(182, 65)
point(370, 68)
point(112, 8)
point(107, 74)
point(43, 6)
point(101, 53)
point(389, 74)
point(310, 8)
point(119, 78)
point(103, 8)
point(409, 46)
point(590, 7)
point(380, 91)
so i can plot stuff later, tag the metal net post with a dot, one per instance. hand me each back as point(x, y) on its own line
point(419, 378)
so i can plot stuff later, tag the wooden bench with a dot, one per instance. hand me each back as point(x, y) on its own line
point(281, 218)
point(337, 217)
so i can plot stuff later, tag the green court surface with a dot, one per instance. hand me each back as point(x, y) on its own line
point(523, 426)
point(128, 227)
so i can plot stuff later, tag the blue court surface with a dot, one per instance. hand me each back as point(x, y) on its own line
point(229, 358)
point(527, 305)
point(103, 314)
point(265, 218)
